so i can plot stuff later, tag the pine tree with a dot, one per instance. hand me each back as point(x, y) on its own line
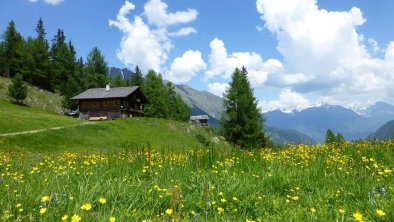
point(96, 70)
point(330, 137)
point(178, 109)
point(156, 94)
point(118, 81)
point(137, 79)
point(17, 90)
point(339, 138)
point(2, 61)
point(13, 53)
point(39, 71)
point(72, 86)
point(242, 122)
point(59, 54)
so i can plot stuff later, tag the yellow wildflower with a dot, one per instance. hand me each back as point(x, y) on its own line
point(45, 199)
point(295, 198)
point(112, 219)
point(380, 212)
point(43, 210)
point(342, 211)
point(65, 217)
point(313, 210)
point(223, 200)
point(358, 216)
point(86, 206)
point(75, 218)
point(102, 200)
point(169, 212)
point(220, 210)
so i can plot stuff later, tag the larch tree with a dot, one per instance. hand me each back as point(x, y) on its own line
point(39, 71)
point(13, 51)
point(156, 94)
point(96, 70)
point(242, 121)
point(137, 79)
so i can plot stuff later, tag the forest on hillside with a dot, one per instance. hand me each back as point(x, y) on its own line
point(54, 66)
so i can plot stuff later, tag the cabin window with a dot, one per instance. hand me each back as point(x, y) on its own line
point(83, 104)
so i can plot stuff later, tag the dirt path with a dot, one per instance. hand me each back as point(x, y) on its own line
point(43, 130)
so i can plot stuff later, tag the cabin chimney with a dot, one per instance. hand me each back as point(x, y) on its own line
point(107, 88)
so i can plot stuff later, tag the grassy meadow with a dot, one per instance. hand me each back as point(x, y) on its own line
point(352, 181)
point(35, 97)
point(146, 169)
point(14, 118)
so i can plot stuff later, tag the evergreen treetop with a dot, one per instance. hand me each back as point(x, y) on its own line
point(137, 79)
point(242, 121)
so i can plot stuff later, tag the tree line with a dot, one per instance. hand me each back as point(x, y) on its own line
point(51, 66)
point(55, 67)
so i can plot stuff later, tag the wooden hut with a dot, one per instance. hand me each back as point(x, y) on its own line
point(201, 120)
point(111, 103)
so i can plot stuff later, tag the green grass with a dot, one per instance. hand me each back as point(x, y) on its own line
point(16, 118)
point(112, 135)
point(35, 97)
point(300, 183)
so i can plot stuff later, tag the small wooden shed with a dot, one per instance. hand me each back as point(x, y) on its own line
point(111, 103)
point(201, 120)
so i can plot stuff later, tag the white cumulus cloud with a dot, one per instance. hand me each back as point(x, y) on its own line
point(217, 88)
point(287, 99)
point(183, 32)
point(140, 45)
point(223, 64)
point(184, 68)
point(325, 53)
point(52, 2)
point(148, 44)
point(156, 12)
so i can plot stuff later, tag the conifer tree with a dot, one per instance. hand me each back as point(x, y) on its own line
point(178, 109)
point(39, 71)
point(17, 90)
point(71, 87)
point(59, 58)
point(118, 81)
point(13, 51)
point(2, 62)
point(242, 122)
point(96, 70)
point(330, 137)
point(156, 94)
point(339, 138)
point(137, 79)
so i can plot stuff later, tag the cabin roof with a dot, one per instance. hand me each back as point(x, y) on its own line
point(199, 117)
point(102, 93)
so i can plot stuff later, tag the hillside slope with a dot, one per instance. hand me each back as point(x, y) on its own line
point(118, 134)
point(16, 118)
point(384, 132)
point(35, 97)
point(205, 101)
point(286, 136)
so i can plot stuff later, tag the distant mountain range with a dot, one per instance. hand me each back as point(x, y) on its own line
point(124, 73)
point(316, 120)
point(285, 127)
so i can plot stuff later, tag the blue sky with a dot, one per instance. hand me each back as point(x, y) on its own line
point(298, 52)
